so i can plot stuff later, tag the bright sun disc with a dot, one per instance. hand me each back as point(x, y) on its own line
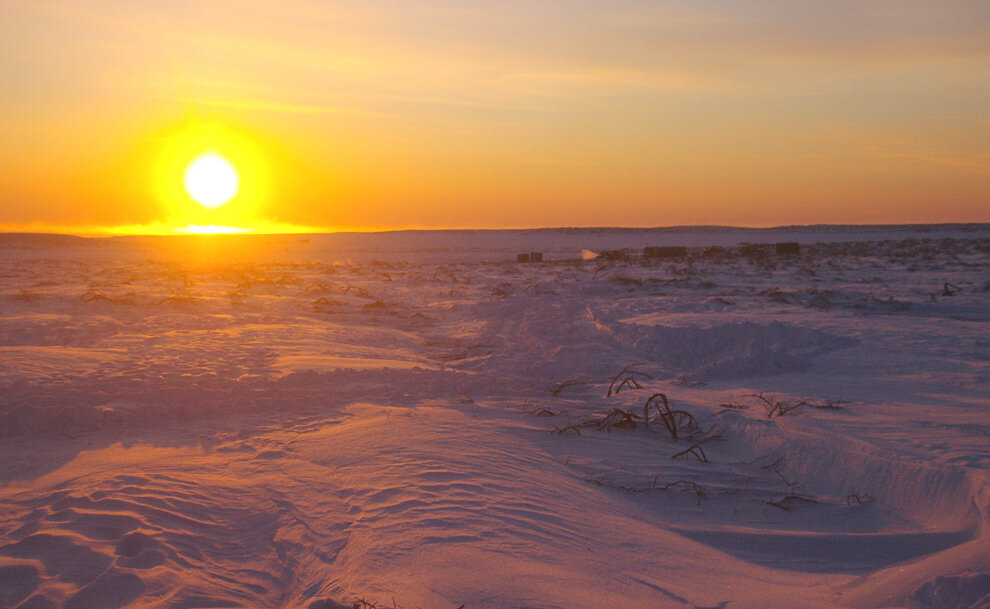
point(211, 180)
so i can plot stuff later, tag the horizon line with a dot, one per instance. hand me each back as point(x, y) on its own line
point(312, 231)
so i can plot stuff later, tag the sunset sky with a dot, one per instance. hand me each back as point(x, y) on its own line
point(388, 114)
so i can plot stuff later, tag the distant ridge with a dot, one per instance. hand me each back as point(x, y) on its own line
point(719, 228)
point(39, 239)
point(35, 239)
point(684, 228)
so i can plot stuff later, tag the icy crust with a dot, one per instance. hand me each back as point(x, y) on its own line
point(294, 429)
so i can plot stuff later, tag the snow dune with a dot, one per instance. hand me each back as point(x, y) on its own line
point(415, 420)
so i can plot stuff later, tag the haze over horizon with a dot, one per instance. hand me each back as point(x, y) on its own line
point(516, 115)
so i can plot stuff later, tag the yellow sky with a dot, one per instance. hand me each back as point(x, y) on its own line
point(388, 114)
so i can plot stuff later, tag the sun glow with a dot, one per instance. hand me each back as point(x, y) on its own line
point(211, 229)
point(211, 180)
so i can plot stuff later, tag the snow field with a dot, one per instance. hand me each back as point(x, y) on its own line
point(290, 428)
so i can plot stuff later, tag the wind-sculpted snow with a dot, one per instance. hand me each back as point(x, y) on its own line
point(421, 422)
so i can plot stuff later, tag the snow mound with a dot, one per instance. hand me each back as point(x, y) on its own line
point(733, 349)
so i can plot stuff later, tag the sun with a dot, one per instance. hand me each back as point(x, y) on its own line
point(211, 180)
point(208, 176)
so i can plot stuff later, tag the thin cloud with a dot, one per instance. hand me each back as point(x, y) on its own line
point(273, 106)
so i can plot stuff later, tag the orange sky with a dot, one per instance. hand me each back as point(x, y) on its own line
point(389, 114)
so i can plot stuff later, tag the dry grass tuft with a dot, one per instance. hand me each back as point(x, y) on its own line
point(772, 406)
point(561, 386)
point(626, 378)
point(676, 422)
point(790, 502)
point(695, 450)
point(684, 486)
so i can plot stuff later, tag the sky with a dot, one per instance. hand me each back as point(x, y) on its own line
point(440, 114)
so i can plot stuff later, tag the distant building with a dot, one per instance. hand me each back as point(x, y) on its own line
point(788, 248)
point(753, 250)
point(622, 254)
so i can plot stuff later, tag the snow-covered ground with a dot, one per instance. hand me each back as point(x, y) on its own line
point(417, 420)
